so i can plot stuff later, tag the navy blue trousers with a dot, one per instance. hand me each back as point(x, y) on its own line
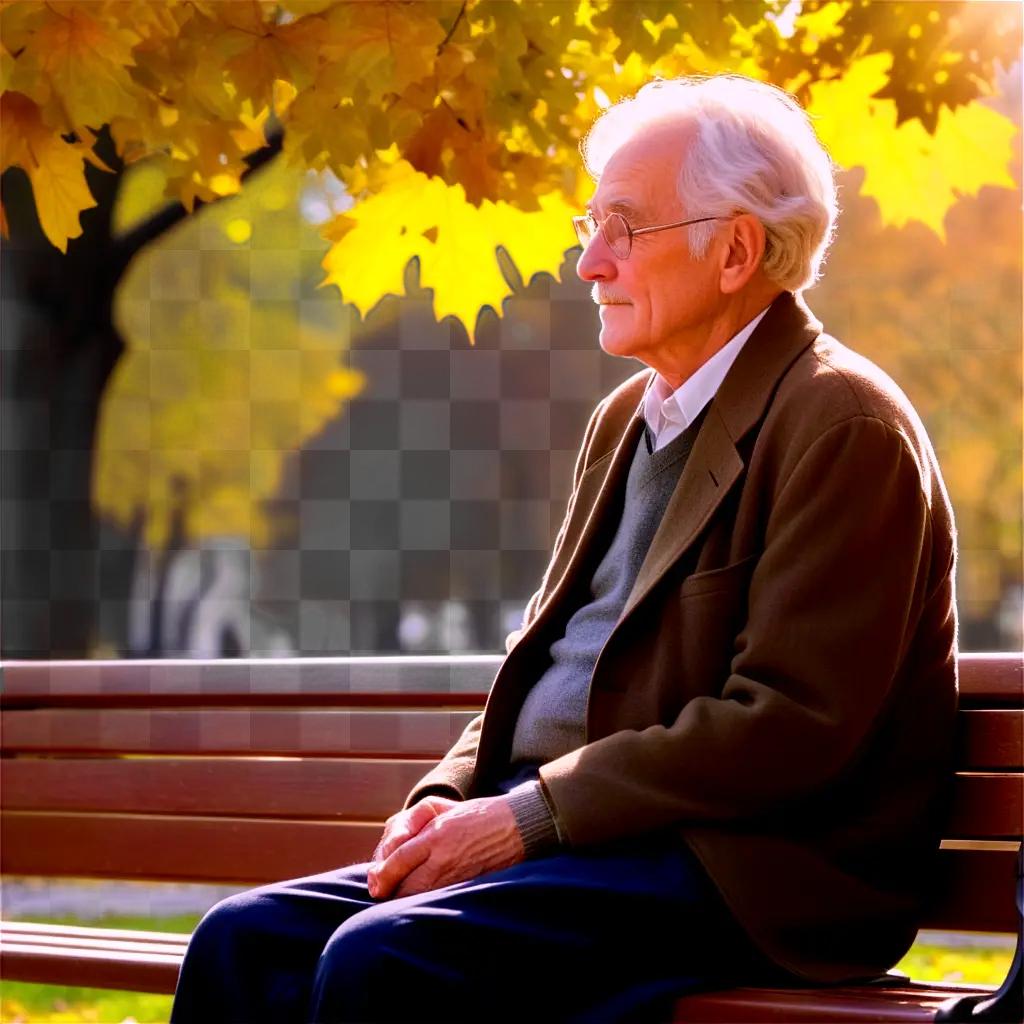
point(609, 933)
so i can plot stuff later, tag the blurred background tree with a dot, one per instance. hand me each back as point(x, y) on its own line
point(164, 392)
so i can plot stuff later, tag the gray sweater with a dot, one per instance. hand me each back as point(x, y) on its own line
point(552, 720)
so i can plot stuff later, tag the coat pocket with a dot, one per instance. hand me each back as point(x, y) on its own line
point(729, 577)
point(713, 610)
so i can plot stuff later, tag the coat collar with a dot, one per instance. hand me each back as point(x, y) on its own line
point(786, 330)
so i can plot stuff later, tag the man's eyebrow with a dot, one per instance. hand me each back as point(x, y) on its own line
point(619, 206)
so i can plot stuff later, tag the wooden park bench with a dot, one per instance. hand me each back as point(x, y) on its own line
point(246, 772)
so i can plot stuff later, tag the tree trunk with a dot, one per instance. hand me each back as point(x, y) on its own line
point(60, 347)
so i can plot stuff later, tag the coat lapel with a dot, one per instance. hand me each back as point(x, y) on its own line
point(712, 468)
point(715, 464)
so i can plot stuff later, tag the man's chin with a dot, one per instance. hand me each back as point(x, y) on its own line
point(616, 342)
point(617, 333)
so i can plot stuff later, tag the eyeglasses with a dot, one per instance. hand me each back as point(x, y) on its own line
point(618, 234)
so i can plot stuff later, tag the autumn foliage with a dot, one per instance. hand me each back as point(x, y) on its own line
point(456, 125)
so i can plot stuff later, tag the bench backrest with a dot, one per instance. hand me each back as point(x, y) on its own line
point(251, 771)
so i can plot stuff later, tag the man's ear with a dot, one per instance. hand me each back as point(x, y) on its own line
point(745, 242)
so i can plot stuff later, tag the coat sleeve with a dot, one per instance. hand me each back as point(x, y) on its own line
point(452, 776)
point(832, 606)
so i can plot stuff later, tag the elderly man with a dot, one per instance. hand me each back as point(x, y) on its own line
point(717, 750)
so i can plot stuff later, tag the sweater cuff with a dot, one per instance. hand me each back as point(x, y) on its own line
point(534, 819)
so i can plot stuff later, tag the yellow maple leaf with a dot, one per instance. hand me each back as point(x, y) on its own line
point(17, 114)
point(285, 52)
point(911, 175)
point(462, 266)
point(536, 241)
point(156, 22)
point(54, 167)
point(373, 242)
point(84, 59)
point(383, 46)
point(456, 242)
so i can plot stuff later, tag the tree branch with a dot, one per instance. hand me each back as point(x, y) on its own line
point(128, 245)
point(451, 31)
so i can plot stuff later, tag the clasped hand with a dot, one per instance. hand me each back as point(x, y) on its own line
point(437, 842)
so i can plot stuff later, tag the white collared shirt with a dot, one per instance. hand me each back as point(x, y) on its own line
point(668, 413)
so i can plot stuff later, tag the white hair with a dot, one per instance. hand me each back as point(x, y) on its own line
point(754, 151)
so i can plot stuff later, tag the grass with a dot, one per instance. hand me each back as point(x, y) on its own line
point(969, 965)
point(26, 1003)
point(62, 1004)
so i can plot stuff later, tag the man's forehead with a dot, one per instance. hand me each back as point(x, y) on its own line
point(640, 175)
point(625, 185)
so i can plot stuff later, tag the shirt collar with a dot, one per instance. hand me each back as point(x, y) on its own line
point(663, 407)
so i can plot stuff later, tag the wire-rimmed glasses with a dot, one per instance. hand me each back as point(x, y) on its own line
point(618, 234)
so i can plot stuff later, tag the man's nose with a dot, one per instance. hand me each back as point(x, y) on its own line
point(596, 262)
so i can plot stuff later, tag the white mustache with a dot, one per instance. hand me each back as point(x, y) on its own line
point(603, 298)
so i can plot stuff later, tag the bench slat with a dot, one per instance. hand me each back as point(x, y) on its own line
point(990, 739)
point(992, 679)
point(987, 738)
point(145, 847)
point(977, 885)
point(912, 1002)
point(33, 931)
point(270, 731)
point(99, 968)
point(69, 945)
point(986, 805)
point(232, 787)
point(428, 680)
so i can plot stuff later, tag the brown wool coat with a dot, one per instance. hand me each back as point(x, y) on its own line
point(781, 686)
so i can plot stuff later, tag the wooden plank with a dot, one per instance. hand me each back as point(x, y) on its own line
point(987, 805)
point(384, 681)
point(271, 731)
point(71, 945)
point(909, 1001)
point(987, 738)
point(213, 786)
point(33, 931)
point(103, 957)
point(97, 968)
point(975, 891)
point(992, 679)
point(996, 678)
point(236, 850)
point(990, 738)
point(399, 700)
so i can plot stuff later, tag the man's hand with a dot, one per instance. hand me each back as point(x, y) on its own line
point(401, 827)
point(467, 839)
